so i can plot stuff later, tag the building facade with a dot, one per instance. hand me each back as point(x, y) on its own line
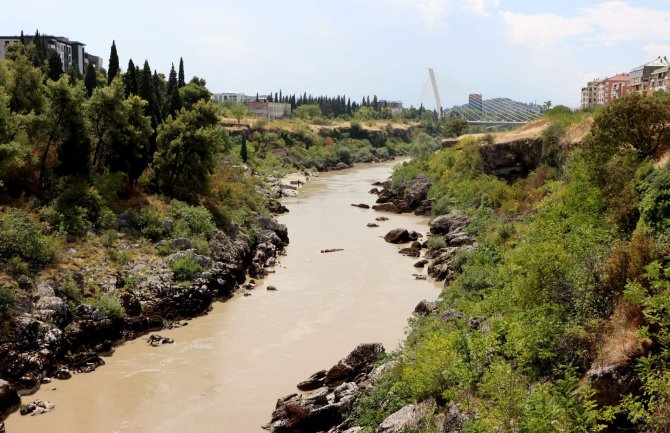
point(641, 77)
point(72, 53)
point(476, 102)
point(237, 98)
point(604, 91)
point(394, 107)
point(270, 110)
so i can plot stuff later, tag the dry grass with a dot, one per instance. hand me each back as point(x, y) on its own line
point(621, 340)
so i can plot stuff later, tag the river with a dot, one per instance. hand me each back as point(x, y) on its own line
point(226, 370)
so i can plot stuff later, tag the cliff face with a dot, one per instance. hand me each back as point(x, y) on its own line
point(512, 159)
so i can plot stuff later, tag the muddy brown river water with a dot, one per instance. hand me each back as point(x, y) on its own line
point(226, 370)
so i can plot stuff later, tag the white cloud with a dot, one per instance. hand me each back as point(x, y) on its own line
point(540, 29)
point(655, 50)
point(480, 7)
point(603, 24)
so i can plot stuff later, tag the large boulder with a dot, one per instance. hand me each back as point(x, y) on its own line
point(316, 412)
point(416, 190)
point(9, 399)
point(397, 236)
point(451, 222)
point(53, 309)
point(359, 361)
point(410, 417)
point(268, 223)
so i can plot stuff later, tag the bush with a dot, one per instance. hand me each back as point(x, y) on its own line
point(122, 257)
point(163, 248)
point(18, 266)
point(68, 289)
point(132, 281)
point(191, 220)
point(185, 268)
point(81, 206)
point(108, 238)
point(20, 236)
point(436, 242)
point(109, 305)
point(7, 300)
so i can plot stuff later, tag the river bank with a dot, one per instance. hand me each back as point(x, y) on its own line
point(232, 363)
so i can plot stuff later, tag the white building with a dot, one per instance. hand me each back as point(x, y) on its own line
point(236, 98)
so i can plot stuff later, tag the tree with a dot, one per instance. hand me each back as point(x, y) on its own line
point(455, 127)
point(243, 150)
point(193, 92)
point(637, 122)
point(55, 66)
point(25, 87)
point(118, 129)
point(181, 82)
point(113, 69)
point(239, 111)
point(147, 91)
point(14, 152)
point(90, 79)
point(173, 100)
point(187, 148)
point(41, 50)
point(307, 111)
point(64, 119)
point(130, 79)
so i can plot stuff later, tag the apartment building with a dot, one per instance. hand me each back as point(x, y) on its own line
point(394, 107)
point(72, 53)
point(604, 91)
point(270, 110)
point(641, 77)
point(236, 98)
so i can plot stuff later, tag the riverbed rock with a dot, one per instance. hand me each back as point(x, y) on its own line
point(410, 252)
point(156, 340)
point(397, 236)
point(316, 412)
point(409, 417)
point(444, 224)
point(373, 225)
point(425, 308)
point(359, 361)
point(341, 166)
point(37, 407)
point(416, 190)
point(386, 207)
point(421, 263)
point(361, 205)
point(381, 218)
point(315, 381)
point(9, 399)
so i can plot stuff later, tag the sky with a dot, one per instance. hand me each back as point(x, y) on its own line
point(528, 50)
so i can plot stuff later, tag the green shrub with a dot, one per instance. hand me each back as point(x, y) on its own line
point(110, 185)
point(18, 267)
point(436, 242)
point(109, 238)
point(20, 236)
point(107, 219)
point(109, 305)
point(163, 248)
point(68, 289)
point(81, 206)
point(191, 220)
point(185, 268)
point(655, 199)
point(122, 257)
point(201, 246)
point(132, 281)
point(7, 300)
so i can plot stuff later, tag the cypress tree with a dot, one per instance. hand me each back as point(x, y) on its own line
point(130, 79)
point(23, 39)
point(181, 82)
point(375, 103)
point(243, 150)
point(147, 91)
point(55, 66)
point(41, 52)
point(113, 69)
point(173, 99)
point(90, 80)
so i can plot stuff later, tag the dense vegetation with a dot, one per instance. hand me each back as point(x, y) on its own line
point(101, 173)
point(569, 283)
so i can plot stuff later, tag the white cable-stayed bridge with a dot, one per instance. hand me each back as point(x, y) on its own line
point(476, 109)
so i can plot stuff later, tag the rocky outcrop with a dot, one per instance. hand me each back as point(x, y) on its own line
point(410, 197)
point(513, 159)
point(401, 236)
point(407, 418)
point(9, 399)
point(611, 381)
point(449, 223)
point(326, 408)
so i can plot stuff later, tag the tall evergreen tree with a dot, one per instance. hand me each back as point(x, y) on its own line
point(130, 79)
point(147, 91)
point(23, 39)
point(55, 66)
point(181, 82)
point(173, 102)
point(41, 52)
point(90, 80)
point(113, 69)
